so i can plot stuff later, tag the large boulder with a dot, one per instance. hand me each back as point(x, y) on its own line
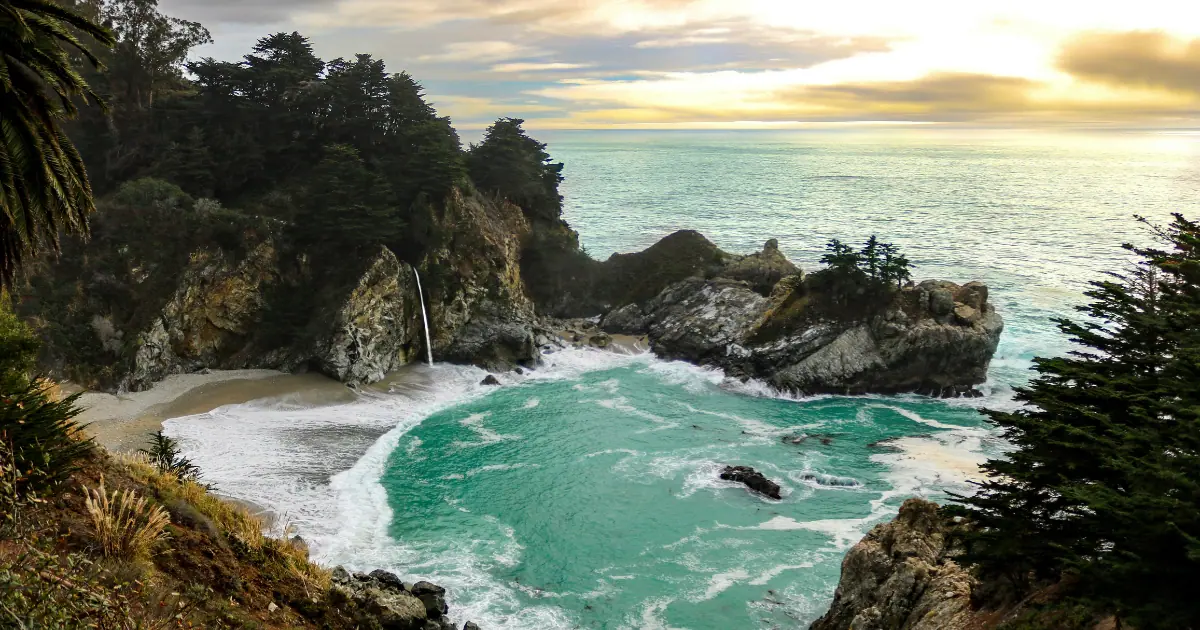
point(902, 576)
point(762, 270)
point(802, 340)
point(381, 600)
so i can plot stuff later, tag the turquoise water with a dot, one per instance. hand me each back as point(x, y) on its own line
point(595, 501)
point(586, 495)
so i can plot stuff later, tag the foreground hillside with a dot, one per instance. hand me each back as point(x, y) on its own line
point(166, 553)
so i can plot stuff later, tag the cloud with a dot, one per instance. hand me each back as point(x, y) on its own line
point(538, 67)
point(485, 51)
point(783, 96)
point(250, 12)
point(1140, 59)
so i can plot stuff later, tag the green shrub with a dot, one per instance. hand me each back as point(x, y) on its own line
point(46, 442)
point(18, 347)
point(165, 456)
point(149, 192)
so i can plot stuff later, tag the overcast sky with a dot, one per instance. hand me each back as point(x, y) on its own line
point(718, 63)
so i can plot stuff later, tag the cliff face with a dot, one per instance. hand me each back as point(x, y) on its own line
point(261, 305)
point(901, 576)
point(480, 311)
point(812, 335)
point(904, 575)
point(126, 321)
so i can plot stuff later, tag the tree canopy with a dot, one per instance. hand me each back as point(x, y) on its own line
point(1104, 482)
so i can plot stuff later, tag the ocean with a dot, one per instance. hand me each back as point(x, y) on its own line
point(586, 495)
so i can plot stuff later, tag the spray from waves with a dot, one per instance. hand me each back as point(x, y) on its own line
point(294, 461)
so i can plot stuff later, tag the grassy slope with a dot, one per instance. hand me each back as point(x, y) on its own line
point(214, 569)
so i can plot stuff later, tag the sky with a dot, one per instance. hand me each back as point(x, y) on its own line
point(568, 64)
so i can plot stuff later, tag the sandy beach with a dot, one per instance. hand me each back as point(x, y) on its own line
point(122, 422)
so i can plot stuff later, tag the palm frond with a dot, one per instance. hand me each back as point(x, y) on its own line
point(44, 187)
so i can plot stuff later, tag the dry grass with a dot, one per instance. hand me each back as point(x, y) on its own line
point(126, 525)
point(236, 521)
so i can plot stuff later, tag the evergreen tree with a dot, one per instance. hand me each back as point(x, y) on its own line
point(869, 257)
point(893, 265)
point(1103, 481)
point(840, 257)
point(345, 208)
point(510, 164)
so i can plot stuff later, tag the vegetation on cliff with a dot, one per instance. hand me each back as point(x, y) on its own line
point(1103, 487)
point(289, 169)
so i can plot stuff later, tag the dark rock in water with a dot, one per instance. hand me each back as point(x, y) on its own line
point(752, 479)
point(470, 626)
point(797, 440)
point(490, 380)
point(518, 371)
point(832, 481)
point(434, 598)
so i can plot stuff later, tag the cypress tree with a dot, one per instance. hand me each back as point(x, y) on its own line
point(1103, 482)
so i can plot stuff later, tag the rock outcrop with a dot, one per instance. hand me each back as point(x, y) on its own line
point(213, 321)
point(935, 338)
point(260, 302)
point(905, 575)
point(253, 301)
point(752, 479)
point(480, 311)
point(378, 327)
point(902, 576)
point(381, 600)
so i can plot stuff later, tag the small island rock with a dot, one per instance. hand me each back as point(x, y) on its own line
point(753, 480)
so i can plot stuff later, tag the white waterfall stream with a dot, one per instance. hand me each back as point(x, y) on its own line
point(424, 318)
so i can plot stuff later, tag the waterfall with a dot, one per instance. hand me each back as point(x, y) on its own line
point(424, 317)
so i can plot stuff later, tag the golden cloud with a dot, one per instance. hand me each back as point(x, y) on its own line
point(1140, 59)
point(936, 97)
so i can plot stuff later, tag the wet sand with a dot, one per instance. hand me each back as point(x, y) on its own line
point(123, 422)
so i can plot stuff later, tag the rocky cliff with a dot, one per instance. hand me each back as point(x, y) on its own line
point(905, 575)
point(125, 324)
point(902, 576)
point(759, 317)
point(123, 319)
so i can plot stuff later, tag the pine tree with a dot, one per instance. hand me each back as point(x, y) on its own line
point(345, 208)
point(516, 167)
point(1103, 481)
point(869, 256)
point(840, 257)
point(893, 265)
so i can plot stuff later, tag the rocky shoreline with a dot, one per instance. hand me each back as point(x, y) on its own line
point(755, 317)
point(380, 599)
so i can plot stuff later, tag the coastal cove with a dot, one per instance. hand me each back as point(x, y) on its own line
point(508, 496)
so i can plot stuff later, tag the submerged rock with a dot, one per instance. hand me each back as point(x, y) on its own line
point(490, 379)
point(752, 479)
